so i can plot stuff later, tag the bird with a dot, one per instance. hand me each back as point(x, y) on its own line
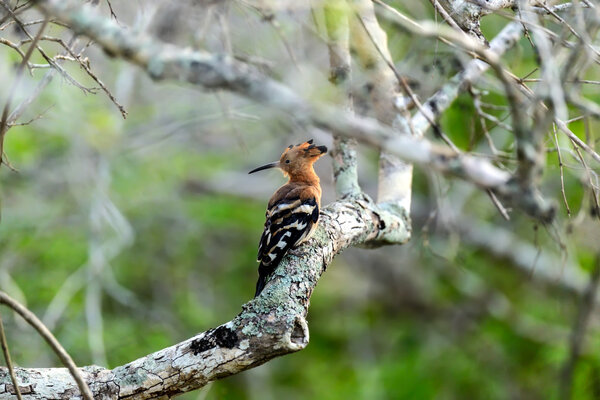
point(293, 211)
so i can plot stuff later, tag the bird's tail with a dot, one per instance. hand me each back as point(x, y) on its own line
point(264, 271)
point(260, 285)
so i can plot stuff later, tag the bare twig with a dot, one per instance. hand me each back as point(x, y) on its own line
point(528, 162)
point(51, 340)
point(20, 109)
point(48, 59)
point(84, 64)
point(34, 22)
point(407, 89)
point(447, 17)
point(501, 209)
point(16, 11)
point(112, 11)
point(268, 16)
point(9, 363)
point(4, 121)
point(562, 126)
point(590, 174)
point(562, 175)
point(13, 46)
point(483, 116)
point(220, 72)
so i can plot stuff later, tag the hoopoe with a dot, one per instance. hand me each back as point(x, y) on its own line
point(293, 210)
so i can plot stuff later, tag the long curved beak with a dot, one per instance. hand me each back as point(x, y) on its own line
point(266, 166)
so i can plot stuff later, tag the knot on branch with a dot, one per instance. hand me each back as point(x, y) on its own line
point(298, 337)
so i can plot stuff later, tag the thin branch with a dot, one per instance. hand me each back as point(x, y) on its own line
point(35, 93)
point(530, 161)
point(562, 174)
point(443, 98)
point(34, 22)
point(267, 15)
point(51, 340)
point(528, 166)
point(501, 209)
point(84, 64)
point(562, 126)
point(112, 11)
point(48, 59)
point(212, 71)
point(9, 364)
point(13, 46)
point(11, 93)
point(447, 17)
point(407, 89)
point(590, 174)
point(550, 87)
point(16, 11)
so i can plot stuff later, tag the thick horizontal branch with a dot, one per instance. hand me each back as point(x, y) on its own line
point(218, 71)
point(271, 325)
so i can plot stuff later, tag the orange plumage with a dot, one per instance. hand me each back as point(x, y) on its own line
point(293, 210)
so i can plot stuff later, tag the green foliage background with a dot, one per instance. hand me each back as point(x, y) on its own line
point(438, 318)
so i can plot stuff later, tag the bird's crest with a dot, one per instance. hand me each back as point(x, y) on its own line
point(305, 150)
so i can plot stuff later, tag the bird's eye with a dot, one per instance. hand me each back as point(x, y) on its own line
point(287, 161)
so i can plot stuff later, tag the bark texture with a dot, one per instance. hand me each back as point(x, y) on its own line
point(271, 325)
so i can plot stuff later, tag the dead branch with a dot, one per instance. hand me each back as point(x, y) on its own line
point(51, 340)
point(269, 326)
point(216, 71)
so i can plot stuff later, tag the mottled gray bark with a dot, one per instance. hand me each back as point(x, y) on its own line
point(467, 14)
point(271, 325)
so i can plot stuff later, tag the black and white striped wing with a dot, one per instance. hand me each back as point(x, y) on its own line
point(289, 222)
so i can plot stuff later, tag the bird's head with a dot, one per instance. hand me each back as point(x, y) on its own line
point(296, 159)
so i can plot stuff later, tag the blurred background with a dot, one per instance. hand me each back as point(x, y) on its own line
point(129, 235)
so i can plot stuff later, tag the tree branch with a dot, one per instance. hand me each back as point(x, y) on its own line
point(9, 364)
point(345, 163)
point(369, 41)
point(521, 190)
point(217, 71)
point(269, 326)
point(467, 14)
point(75, 378)
point(4, 125)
